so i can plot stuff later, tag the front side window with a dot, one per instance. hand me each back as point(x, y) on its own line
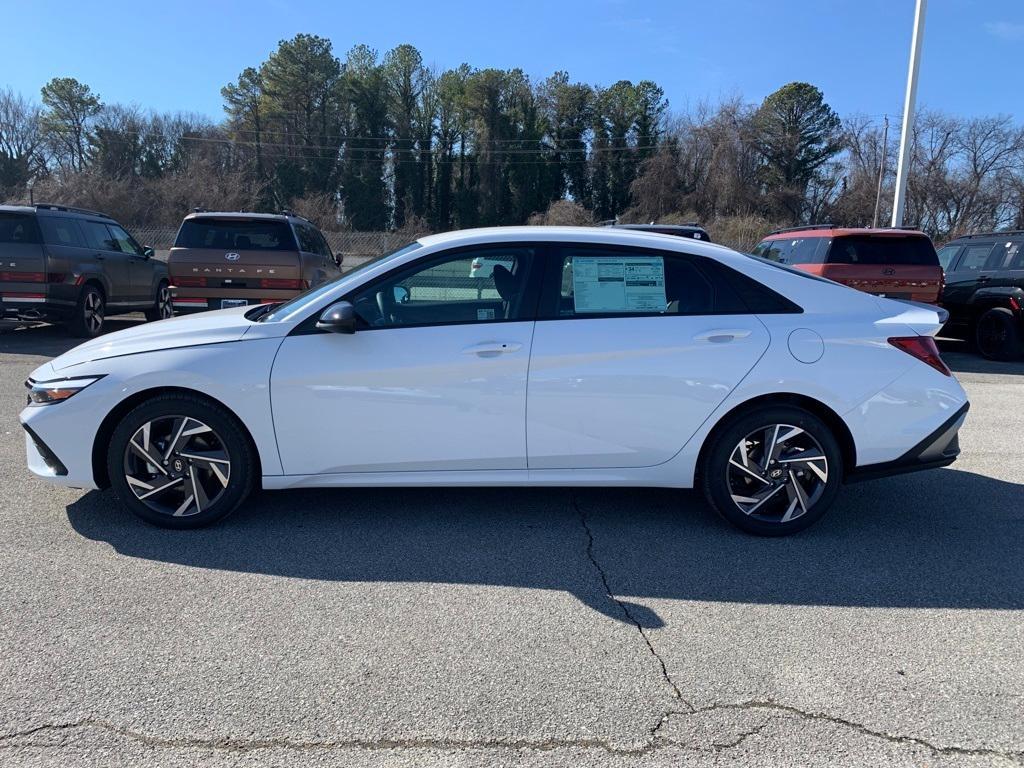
point(469, 286)
point(125, 242)
point(236, 234)
point(614, 282)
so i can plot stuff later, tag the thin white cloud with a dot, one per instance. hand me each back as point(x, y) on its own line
point(1005, 30)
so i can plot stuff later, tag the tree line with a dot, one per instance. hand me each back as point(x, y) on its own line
point(384, 142)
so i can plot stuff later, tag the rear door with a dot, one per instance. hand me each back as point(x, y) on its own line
point(22, 263)
point(633, 350)
point(112, 261)
point(897, 266)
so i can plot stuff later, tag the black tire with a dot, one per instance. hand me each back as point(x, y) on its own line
point(225, 487)
point(162, 307)
point(724, 482)
point(89, 316)
point(997, 334)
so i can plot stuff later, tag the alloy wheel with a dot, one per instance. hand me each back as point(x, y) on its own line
point(177, 465)
point(164, 307)
point(991, 335)
point(93, 311)
point(777, 473)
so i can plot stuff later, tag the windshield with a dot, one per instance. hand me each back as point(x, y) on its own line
point(304, 300)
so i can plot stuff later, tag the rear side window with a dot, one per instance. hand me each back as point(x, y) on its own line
point(236, 234)
point(19, 228)
point(1015, 257)
point(98, 236)
point(974, 257)
point(608, 282)
point(866, 250)
point(61, 230)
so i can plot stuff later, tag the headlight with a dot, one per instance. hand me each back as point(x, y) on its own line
point(46, 392)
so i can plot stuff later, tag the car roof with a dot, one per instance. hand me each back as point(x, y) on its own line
point(995, 237)
point(17, 209)
point(830, 231)
point(241, 216)
point(595, 235)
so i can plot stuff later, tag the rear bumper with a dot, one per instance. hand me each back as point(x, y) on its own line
point(938, 449)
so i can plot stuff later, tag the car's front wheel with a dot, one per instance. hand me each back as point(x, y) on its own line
point(772, 471)
point(179, 461)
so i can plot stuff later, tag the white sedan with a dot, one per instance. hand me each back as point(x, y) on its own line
point(586, 357)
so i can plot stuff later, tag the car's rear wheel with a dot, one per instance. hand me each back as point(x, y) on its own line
point(997, 335)
point(772, 471)
point(162, 307)
point(179, 461)
point(89, 313)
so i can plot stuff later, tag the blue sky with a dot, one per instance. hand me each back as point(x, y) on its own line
point(176, 55)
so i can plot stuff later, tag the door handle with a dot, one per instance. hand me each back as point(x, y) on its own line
point(492, 348)
point(984, 278)
point(99, 256)
point(722, 335)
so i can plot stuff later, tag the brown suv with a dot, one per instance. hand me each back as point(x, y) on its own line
point(222, 260)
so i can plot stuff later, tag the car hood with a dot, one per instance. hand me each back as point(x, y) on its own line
point(189, 331)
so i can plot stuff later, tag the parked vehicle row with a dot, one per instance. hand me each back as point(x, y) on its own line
point(586, 356)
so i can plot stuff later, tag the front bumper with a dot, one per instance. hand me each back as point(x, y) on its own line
point(938, 449)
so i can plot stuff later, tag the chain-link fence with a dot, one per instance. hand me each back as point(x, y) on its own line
point(355, 247)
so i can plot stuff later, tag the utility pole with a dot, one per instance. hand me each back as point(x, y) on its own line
point(881, 172)
point(903, 168)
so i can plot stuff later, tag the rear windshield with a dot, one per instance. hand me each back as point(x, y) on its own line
point(236, 234)
point(859, 249)
point(18, 228)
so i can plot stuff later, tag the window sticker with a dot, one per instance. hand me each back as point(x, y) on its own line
point(627, 284)
point(485, 314)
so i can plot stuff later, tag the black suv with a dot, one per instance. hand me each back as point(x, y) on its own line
point(76, 267)
point(984, 291)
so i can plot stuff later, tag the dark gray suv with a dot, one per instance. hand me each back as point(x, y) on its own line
point(76, 267)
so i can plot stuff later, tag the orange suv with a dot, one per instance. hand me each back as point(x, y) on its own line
point(895, 263)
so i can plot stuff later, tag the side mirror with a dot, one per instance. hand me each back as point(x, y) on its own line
point(148, 252)
point(338, 318)
point(338, 258)
point(401, 294)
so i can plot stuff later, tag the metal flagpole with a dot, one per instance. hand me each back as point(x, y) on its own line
point(903, 168)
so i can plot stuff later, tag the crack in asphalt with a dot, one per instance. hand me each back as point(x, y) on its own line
point(624, 608)
point(13, 740)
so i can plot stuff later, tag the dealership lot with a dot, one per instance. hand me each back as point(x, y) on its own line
point(475, 627)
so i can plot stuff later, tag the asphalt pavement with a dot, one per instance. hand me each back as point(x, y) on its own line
point(499, 627)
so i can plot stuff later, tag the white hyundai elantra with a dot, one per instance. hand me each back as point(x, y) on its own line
point(583, 357)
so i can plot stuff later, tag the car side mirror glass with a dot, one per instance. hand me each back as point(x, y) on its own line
point(148, 252)
point(401, 294)
point(340, 317)
point(338, 258)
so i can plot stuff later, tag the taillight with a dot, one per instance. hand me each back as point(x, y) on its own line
point(284, 283)
point(56, 277)
point(924, 349)
point(1014, 304)
point(22, 277)
point(189, 282)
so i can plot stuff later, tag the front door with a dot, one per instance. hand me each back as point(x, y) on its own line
point(433, 379)
point(632, 351)
point(115, 263)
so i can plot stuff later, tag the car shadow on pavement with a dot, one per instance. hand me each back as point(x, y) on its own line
point(50, 340)
point(962, 359)
point(937, 539)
